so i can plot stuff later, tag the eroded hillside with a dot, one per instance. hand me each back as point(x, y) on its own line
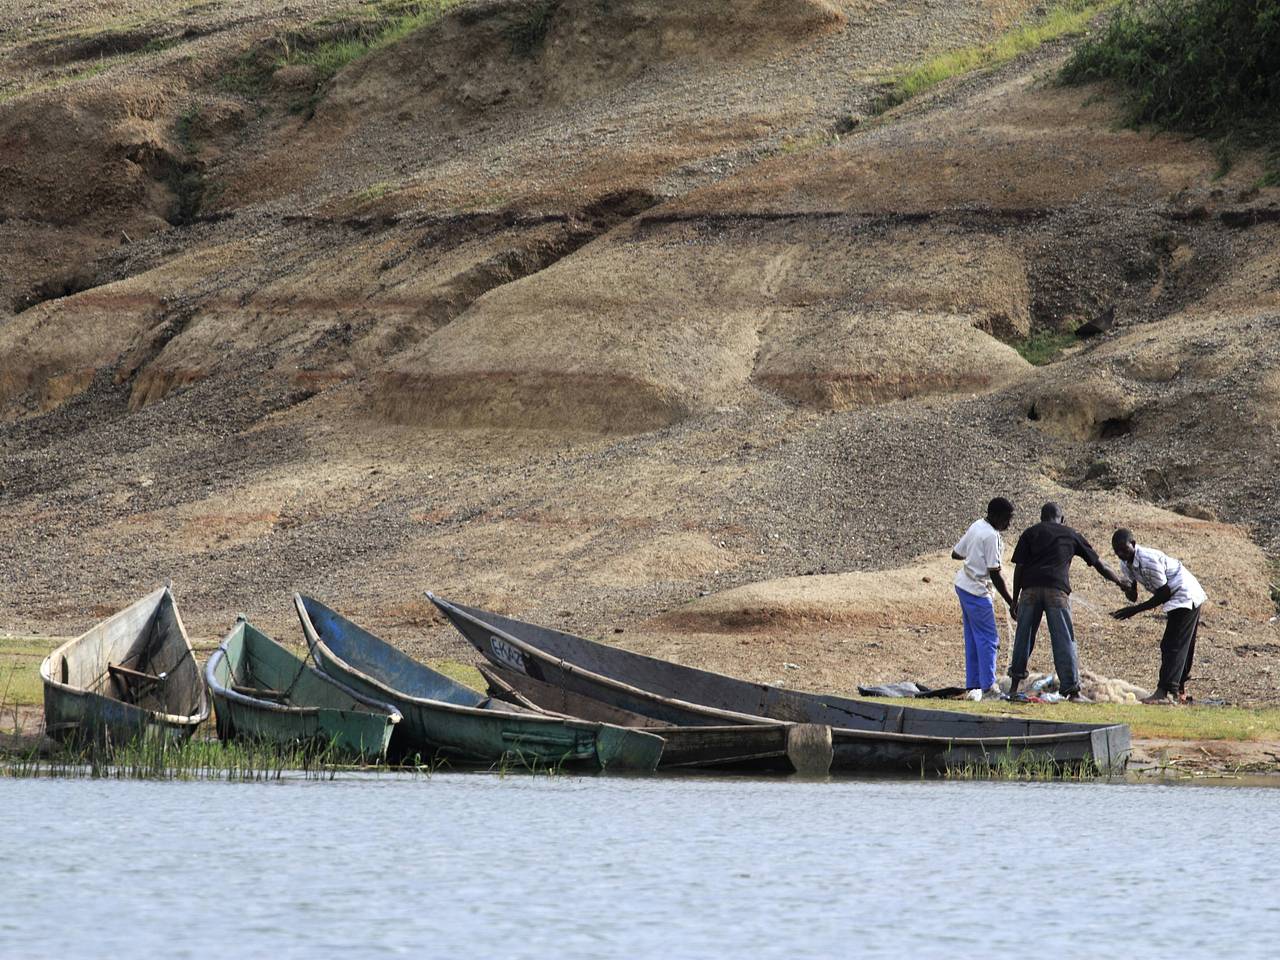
point(584, 309)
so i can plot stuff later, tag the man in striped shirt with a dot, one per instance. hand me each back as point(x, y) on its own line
point(1179, 593)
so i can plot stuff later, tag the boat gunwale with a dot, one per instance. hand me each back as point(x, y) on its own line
point(168, 719)
point(216, 689)
point(574, 723)
point(1025, 740)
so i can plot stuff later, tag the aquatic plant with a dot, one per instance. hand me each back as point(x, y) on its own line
point(152, 758)
point(1026, 765)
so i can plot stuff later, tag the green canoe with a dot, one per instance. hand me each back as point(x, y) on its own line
point(261, 691)
point(132, 676)
point(444, 718)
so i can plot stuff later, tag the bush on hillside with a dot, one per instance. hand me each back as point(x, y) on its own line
point(1209, 67)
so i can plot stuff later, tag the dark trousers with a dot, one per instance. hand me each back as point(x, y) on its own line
point(1178, 649)
point(1054, 606)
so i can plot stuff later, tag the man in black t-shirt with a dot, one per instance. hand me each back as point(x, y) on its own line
point(1042, 588)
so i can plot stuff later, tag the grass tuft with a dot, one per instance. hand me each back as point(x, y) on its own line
point(374, 192)
point(1044, 346)
point(351, 36)
point(1062, 19)
point(185, 126)
point(383, 27)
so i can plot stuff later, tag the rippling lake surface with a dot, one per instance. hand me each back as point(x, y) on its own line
point(560, 867)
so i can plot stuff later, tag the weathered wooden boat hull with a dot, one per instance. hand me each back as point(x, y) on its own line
point(446, 719)
point(312, 710)
point(755, 746)
point(865, 735)
point(134, 675)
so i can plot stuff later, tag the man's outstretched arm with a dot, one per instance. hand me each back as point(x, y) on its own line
point(1160, 596)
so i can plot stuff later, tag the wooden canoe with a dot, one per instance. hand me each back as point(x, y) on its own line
point(745, 746)
point(447, 719)
point(133, 675)
point(866, 736)
point(263, 692)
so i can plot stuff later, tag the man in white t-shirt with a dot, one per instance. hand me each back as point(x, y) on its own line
point(977, 583)
point(1179, 593)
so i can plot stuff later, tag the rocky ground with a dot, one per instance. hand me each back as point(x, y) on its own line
point(652, 332)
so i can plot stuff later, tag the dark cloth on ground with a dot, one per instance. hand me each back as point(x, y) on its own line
point(903, 688)
point(1044, 553)
point(908, 688)
point(1178, 649)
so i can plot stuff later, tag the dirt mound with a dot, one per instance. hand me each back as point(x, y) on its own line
point(916, 595)
point(804, 309)
point(509, 56)
point(89, 170)
point(1202, 377)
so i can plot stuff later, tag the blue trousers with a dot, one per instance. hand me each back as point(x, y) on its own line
point(980, 639)
point(1055, 607)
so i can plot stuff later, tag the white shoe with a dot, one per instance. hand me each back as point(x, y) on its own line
point(973, 694)
point(994, 692)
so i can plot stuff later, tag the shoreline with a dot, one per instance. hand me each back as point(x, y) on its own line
point(1164, 760)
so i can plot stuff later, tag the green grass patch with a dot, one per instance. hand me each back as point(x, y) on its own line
point(184, 126)
point(1044, 346)
point(1023, 766)
point(371, 27)
point(1147, 722)
point(248, 75)
point(80, 73)
point(330, 46)
point(20, 684)
point(1206, 67)
point(809, 142)
point(1064, 18)
point(464, 673)
point(375, 192)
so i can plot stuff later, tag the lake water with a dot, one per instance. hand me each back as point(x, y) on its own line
point(563, 867)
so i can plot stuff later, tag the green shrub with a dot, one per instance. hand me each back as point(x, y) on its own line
point(1207, 67)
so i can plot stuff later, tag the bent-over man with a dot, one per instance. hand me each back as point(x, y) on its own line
point(982, 550)
point(1171, 585)
point(1042, 589)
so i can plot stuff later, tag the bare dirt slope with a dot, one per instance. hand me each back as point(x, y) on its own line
point(590, 327)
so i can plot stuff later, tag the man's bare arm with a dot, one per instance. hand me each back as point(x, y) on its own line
point(997, 578)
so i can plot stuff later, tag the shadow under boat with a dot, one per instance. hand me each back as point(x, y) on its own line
point(446, 719)
point(565, 673)
point(133, 675)
point(784, 747)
